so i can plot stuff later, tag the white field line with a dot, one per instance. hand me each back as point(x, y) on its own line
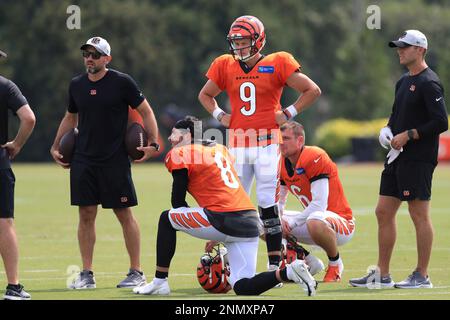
point(36, 271)
point(190, 254)
point(193, 274)
point(413, 292)
point(189, 274)
point(103, 275)
point(100, 275)
point(365, 211)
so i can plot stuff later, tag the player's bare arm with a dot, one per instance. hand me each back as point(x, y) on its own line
point(309, 90)
point(207, 98)
point(27, 122)
point(69, 121)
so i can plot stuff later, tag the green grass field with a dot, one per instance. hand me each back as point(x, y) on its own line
point(47, 228)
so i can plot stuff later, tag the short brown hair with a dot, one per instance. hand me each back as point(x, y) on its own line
point(296, 127)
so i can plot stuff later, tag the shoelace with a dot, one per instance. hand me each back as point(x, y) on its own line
point(134, 275)
point(412, 276)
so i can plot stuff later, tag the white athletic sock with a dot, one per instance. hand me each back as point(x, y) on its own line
point(335, 263)
point(159, 281)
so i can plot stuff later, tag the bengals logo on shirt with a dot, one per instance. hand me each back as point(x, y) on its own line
point(314, 164)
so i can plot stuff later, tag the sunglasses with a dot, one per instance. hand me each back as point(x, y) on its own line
point(94, 54)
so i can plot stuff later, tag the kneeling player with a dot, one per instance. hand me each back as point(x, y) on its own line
point(225, 214)
point(310, 175)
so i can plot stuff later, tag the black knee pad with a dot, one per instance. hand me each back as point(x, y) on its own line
point(164, 222)
point(271, 220)
point(165, 241)
point(255, 286)
point(243, 287)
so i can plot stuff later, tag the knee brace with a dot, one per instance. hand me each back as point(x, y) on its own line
point(271, 220)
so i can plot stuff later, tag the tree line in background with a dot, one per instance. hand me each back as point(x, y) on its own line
point(167, 46)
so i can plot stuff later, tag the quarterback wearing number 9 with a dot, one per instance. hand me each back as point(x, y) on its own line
point(254, 83)
point(224, 214)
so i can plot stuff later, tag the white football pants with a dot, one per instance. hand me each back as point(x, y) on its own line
point(263, 163)
point(242, 252)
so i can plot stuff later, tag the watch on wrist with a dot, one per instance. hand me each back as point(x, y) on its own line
point(411, 134)
point(154, 145)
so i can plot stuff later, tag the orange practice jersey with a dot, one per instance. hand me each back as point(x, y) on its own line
point(255, 95)
point(213, 182)
point(313, 164)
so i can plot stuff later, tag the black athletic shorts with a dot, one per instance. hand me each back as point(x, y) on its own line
point(407, 180)
point(7, 182)
point(241, 224)
point(110, 186)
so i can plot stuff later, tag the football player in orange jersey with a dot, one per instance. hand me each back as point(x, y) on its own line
point(311, 176)
point(254, 83)
point(225, 214)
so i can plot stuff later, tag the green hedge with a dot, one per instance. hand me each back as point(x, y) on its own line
point(335, 135)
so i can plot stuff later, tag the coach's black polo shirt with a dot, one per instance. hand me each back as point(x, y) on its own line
point(419, 104)
point(10, 98)
point(102, 108)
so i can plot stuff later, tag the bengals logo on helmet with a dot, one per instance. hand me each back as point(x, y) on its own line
point(213, 272)
point(291, 251)
point(246, 27)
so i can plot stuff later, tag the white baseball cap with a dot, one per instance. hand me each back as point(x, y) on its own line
point(100, 44)
point(412, 38)
point(2, 54)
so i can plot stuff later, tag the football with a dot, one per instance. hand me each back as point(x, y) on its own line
point(67, 145)
point(135, 137)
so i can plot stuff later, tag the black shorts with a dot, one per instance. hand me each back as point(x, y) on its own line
point(241, 224)
point(110, 186)
point(7, 182)
point(407, 180)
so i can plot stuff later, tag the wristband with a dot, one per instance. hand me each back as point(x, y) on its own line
point(217, 112)
point(292, 111)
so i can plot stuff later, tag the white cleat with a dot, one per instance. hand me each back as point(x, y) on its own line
point(299, 274)
point(315, 264)
point(152, 288)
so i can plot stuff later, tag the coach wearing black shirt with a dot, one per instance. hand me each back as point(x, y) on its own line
point(100, 171)
point(418, 117)
point(11, 99)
